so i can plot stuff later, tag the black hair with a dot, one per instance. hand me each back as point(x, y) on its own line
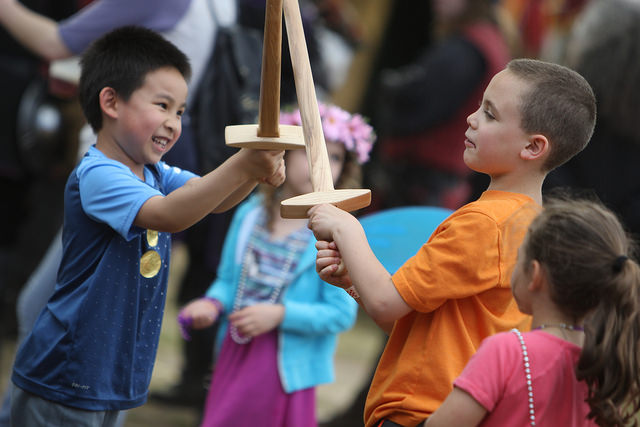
point(121, 59)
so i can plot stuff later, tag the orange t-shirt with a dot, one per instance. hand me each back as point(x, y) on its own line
point(458, 285)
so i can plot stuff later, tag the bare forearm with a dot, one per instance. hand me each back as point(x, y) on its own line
point(386, 327)
point(378, 295)
point(338, 230)
point(236, 197)
point(190, 203)
point(36, 32)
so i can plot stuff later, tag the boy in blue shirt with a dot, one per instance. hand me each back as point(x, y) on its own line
point(92, 349)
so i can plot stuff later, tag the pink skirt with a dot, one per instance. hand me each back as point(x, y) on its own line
point(246, 389)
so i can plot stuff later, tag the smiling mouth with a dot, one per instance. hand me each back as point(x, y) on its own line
point(161, 142)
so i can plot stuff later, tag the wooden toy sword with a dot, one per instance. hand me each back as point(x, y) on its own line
point(320, 170)
point(268, 134)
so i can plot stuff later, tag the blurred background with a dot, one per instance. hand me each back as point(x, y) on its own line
point(415, 69)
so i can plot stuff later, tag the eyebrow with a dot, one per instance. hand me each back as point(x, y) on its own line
point(489, 104)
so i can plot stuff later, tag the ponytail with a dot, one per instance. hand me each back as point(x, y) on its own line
point(586, 255)
point(610, 358)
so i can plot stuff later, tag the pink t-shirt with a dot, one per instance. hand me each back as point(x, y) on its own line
point(495, 377)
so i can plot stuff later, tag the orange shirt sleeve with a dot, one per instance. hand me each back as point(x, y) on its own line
point(462, 258)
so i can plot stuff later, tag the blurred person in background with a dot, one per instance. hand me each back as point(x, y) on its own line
point(32, 130)
point(604, 46)
point(280, 321)
point(423, 107)
point(543, 25)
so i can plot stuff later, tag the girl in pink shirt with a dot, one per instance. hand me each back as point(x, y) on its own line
point(580, 365)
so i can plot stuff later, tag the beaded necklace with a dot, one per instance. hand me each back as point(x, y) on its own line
point(250, 265)
point(527, 375)
point(527, 366)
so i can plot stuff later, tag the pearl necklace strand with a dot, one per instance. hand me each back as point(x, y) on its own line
point(527, 369)
point(527, 372)
point(275, 292)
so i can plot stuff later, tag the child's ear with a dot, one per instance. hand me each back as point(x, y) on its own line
point(536, 148)
point(109, 102)
point(538, 277)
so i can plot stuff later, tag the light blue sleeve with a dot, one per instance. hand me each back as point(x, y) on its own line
point(173, 177)
point(110, 193)
point(330, 311)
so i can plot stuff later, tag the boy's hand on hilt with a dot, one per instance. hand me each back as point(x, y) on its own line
point(278, 177)
point(266, 165)
point(329, 265)
point(326, 219)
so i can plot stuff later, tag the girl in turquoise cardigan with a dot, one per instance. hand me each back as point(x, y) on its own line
point(278, 321)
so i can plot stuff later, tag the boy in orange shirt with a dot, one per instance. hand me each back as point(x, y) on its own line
point(455, 291)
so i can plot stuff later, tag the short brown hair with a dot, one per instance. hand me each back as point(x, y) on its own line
point(559, 104)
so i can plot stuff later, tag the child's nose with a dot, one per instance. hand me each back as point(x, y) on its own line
point(471, 119)
point(173, 123)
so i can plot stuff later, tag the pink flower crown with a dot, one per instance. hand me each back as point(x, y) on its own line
point(340, 126)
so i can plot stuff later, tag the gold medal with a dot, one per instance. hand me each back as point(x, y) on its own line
point(150, 264)
point(152, 237)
